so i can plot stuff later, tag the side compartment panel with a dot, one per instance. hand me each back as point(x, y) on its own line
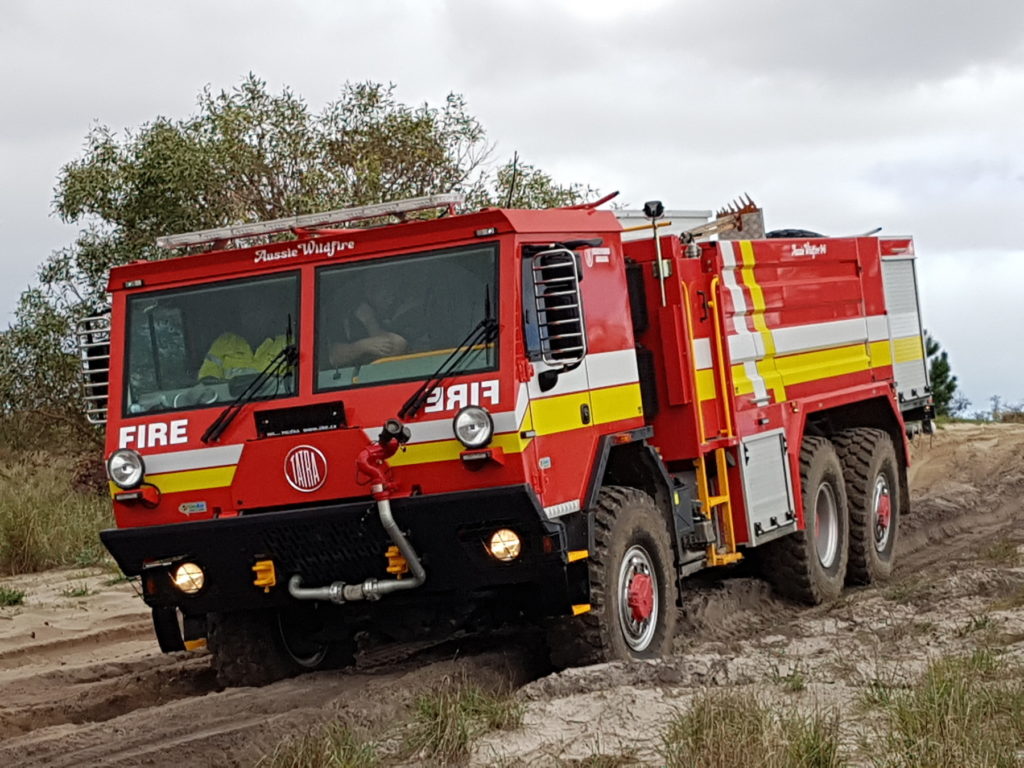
point(909, 365)
point(767, 486)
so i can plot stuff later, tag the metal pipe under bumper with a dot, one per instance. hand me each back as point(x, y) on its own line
point(371, 589)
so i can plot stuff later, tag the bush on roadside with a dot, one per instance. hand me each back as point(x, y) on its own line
point(446, 720)
point(964, 711)
point(331, 745)
point(733, 728)
point(44, 521)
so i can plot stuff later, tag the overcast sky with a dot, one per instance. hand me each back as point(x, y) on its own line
point(837, 117)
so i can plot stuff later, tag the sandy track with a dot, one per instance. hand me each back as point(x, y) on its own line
point(83, 684)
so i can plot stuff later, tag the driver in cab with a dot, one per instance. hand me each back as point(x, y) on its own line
point(381, 325)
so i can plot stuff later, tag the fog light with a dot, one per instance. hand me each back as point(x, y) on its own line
point(473, 426)
point(126, 468)
point(189, 578)
point(505, 545)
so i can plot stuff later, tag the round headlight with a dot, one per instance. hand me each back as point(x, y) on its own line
point(189, 578)
point(126, 468)
point(473, 426)
point(505, 545)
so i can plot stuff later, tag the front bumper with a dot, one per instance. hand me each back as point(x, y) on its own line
point(346, 542)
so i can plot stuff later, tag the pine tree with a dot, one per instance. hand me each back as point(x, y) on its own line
point(942, 379)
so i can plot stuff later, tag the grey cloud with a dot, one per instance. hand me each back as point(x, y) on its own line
point(862, 43)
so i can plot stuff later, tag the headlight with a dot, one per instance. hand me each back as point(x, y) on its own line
point(126, 468)
point(505, 545)
point(473, 426)
point(189, 578)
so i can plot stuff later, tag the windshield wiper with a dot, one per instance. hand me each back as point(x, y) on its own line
point(281, 362)
point(484, 332)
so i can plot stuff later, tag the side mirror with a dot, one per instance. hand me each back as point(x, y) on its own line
point(653, 209)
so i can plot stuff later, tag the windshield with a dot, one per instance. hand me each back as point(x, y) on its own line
point(398, 319)
point(196, 347)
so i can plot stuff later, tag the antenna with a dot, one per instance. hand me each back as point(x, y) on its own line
point(512, 182)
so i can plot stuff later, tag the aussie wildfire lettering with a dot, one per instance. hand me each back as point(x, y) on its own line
point(810, 249)
point(329, 248)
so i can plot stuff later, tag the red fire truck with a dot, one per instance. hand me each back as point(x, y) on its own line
point(499, 415)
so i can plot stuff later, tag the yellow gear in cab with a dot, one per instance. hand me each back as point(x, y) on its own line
point(230, 355)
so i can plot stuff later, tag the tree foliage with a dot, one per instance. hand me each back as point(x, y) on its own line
point(942, 379)
point(245, 155)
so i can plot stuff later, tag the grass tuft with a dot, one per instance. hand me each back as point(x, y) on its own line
point(723, 730)
point(603, 760)
point(10, 597)
point(332, 745)
point(76, 590)
point(447, 719)
point(1002, 552)
point(44, 523)
point(963, 711)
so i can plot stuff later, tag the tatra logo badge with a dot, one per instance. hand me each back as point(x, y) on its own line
point(305, 468)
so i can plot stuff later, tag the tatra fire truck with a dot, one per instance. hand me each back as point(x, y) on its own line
point(325, 427)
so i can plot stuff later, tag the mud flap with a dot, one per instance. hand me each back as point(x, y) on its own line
point(168, 629)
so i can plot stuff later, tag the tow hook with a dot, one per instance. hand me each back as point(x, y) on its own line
point(372, 463)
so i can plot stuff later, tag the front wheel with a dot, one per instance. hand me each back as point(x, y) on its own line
point(260, 647)
point(632, 586)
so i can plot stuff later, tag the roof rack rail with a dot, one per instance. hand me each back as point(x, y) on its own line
point(310, 220)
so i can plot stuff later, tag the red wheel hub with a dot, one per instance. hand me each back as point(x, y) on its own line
point(884, 511)
point(640, 596)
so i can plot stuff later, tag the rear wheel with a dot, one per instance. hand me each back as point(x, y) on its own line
point(810, 565)
point(632, 586)
point(259, 647)
point(872, 486)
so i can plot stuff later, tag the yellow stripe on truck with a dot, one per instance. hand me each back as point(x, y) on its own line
point(908, 348)
point(189, 480)
point(766, 365)
point(449, 450)
point(820, 364)
point(547, 416)
point(616, 403)
point(706, 389)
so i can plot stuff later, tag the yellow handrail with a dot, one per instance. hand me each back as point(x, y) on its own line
point(725, 391)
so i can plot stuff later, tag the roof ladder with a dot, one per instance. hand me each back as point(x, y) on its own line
point(311, 220)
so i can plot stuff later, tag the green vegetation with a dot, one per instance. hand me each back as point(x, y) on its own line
point(245, 155)
point(728, 729)
point(9, 597)
point(963, 711)
point(447, 719)
point(77, 590)
point(332, 745)
point(1003, 552)
point(44, 522)
point(444, 723)
point(942, 379)
point(621, 760)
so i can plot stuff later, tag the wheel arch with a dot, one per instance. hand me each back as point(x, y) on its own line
point(635, 463)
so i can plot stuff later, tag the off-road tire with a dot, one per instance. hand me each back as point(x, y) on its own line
point(247, 649)
point(791, 563)
point(623, 518)
point(866, 454)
